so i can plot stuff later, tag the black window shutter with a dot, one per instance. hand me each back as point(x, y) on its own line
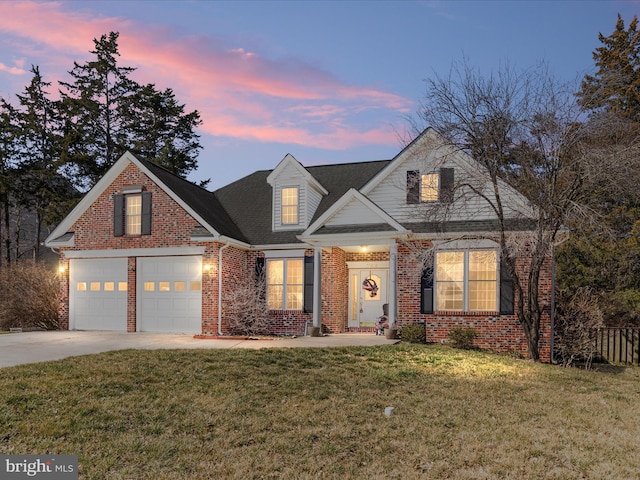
point(261, 279)
point(446, 185)
point(426, 290)
point(308, 284)
point(506, 290)
point(413, 187)
point(118, 215)
point(146, 214)
point(259, 270)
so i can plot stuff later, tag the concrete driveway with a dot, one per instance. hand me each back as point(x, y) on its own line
point(33, 347)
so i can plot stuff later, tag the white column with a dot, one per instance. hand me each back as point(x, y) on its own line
point(317, 288)
point(393, 269)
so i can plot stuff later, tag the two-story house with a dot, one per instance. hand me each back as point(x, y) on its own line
point(148, 251)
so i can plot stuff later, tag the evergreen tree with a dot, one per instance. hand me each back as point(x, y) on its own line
point(615, 86)
point(95, 108)
point(8, 158)
point(39, 187)
point(604, 256)
point(162, 132)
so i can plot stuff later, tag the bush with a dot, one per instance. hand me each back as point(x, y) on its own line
point(462, 337)
point(246, 308)
point(578, 316)
point(29, 297)
point(415, 333)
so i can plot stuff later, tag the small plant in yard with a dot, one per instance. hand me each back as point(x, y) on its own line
point(414, 333)
point(462, 337)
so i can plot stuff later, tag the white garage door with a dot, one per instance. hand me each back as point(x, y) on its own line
point(169, 294)
point(98, 294)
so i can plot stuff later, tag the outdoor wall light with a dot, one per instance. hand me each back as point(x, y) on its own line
point(207, 268)
point(363, 248)
point(61, 268)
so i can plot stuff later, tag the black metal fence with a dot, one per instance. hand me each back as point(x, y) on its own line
point(619, 345)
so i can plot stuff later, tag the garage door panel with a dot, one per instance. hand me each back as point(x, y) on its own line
point(95, 303)
point(172, 306)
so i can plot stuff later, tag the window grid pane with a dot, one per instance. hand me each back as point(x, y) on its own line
point(466, 281)
point(133, 211)
point(429, 187)
point(285, 284)
point(289, 205)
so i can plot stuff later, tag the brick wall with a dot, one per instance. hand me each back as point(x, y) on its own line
point(335, 288)
point(501, 333)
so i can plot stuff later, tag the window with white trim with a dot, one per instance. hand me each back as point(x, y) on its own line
point(289, 206)
point(285, 283)
point(133, 214)
point(466, 280)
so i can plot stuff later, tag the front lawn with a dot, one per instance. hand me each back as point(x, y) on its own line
point(319, 413)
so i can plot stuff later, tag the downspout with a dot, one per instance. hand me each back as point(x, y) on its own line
point(220, 288)
point(553, 301)
point(393, 300)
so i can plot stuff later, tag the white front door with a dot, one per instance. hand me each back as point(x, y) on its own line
point(368, 292)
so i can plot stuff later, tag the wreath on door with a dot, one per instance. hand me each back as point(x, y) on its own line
point(370, 286)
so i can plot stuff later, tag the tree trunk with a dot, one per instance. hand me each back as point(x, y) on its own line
point(7, 229)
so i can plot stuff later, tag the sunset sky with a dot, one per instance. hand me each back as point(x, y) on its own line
point(327, 81)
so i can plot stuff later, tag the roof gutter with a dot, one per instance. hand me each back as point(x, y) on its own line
point(220, 287)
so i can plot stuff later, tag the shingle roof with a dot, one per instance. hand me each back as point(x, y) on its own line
point(203, 202)
point(248, 200)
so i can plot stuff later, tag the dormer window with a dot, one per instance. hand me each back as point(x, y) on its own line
point(290, 202)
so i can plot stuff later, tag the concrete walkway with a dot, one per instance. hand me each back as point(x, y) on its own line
point(33, 347)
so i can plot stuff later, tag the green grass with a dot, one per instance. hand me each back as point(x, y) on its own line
point(309, 413)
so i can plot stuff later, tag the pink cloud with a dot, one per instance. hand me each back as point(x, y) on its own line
point(12, 70)
point(239, 93)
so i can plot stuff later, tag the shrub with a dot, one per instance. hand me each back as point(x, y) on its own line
point(578, 316)
point(29, 296)
point(462, 337)
point(246, 308)
point(414, 333)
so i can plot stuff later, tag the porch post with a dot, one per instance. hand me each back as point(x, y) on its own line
point(317, 288)
point(393, 268)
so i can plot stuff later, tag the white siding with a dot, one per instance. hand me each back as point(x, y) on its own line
point(354, 213)
point(391, 193)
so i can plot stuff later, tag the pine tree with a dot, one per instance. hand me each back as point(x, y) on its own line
point(8, 159)
point(95, 107)
point(162, 132)
point(39, 188)
point(615, 86)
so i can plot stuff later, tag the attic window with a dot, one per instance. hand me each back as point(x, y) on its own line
point(132, 214)
point(289, 205)
point(430, 187)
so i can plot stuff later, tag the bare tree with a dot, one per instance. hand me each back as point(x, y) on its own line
point(523, 130)
point(246, 308)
